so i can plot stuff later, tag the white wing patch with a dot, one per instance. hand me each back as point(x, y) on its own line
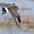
point(16, 19)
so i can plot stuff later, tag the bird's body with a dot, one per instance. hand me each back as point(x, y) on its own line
point(13, 10)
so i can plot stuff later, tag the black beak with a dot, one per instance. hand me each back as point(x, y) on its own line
point(2, 13)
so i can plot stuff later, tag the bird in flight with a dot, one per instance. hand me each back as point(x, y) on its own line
point(13, 10)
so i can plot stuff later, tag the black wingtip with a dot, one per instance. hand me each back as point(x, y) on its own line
point(19, 19)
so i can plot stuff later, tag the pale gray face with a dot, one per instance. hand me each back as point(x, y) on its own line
point(4, 10)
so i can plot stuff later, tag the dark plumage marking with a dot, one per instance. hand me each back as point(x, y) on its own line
point(3, 9)
point(2, 13)
point(19, 19)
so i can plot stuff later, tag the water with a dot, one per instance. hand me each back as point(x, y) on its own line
point(15, 29)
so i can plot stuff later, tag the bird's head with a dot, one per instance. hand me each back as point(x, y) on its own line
point(4, 10)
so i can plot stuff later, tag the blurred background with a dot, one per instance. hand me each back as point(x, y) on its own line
point(27, 18)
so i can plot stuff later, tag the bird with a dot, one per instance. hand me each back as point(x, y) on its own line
point(13, 11)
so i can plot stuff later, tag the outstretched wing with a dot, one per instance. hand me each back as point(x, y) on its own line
point(19, 25)
point(14, 13)
point(16, 16)
point(5, 5)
